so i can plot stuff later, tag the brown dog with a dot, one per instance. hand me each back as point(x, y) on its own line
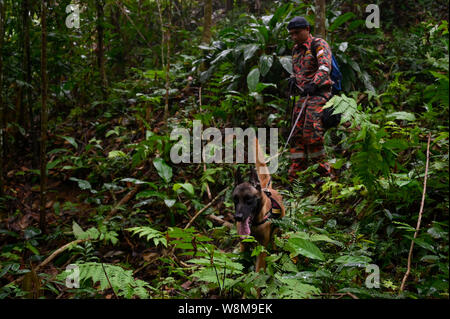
point(256, 203)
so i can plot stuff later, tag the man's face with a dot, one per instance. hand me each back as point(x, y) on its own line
point(299, 35)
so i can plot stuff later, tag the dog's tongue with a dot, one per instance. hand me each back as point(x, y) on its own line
point(244, 229)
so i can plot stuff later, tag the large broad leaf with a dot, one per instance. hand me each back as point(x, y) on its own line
point(286, 62)
point(353, 260)
point(278, 15)
point(71, 141)
point(300, 246)
point(293, 288)
point(164, 170)
point(262, 86)
point(405, 116)
point(81, 183)
point(79, 233)
point(221, 56)
point(253, 79)
point(249, 50)
point(186, 186)
point(265, 63)
point(341, 20)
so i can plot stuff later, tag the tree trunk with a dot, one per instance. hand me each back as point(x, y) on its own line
point(320, 30)
point(100, 46)
point(229, 5)
point(119, 67)
point(27, 71)
point(258, 6)
point(166, 104)
point(44, 84)
point(206, 37)
point(2, 110)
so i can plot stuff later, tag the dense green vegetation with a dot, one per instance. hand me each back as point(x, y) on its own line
point(114, 194)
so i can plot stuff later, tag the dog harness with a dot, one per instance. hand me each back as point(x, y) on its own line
point(274, 211)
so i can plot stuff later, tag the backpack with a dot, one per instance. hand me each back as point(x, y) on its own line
point(328, 119)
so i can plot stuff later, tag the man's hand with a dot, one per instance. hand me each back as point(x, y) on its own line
point(309, 88)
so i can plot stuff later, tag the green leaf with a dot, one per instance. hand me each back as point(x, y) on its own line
point(170, 202)
point(71, 141)
point(221, 56)
point(77, 231)
point(286, 62)
point(341, 20)
point(353, 260)
point(406, 116)
point(249, 50)
point(150, 234)
point(149, 193)
point(422, 243)
point(304, 247)
point(32, 248)
point(186, 186)
point(91, 233)
point(321, 237)
point(164, 170)
point(81, 183)
point(261, 86)
point(293, 288)
point(265, 63)
point(138, 182)
point(253, 79)
point(114, 154)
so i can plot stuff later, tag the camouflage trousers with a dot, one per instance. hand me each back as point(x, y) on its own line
point(307, 140)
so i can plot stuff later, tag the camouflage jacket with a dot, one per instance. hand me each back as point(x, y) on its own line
point(309, 69)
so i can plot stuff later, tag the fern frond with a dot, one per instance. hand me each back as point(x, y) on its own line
point(150, 234)
point(117, 278)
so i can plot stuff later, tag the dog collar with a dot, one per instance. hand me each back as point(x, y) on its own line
point(274, 211)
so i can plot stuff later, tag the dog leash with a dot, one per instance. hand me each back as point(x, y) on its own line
point(292, 131)
point(295, 124)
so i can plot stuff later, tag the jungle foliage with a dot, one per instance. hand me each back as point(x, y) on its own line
point(115, 195)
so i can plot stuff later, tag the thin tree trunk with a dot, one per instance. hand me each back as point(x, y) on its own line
point(258, 6)
point(229, 5)
point(120, 56)
point(419, 219)
point(2, 110)
point(320, 30)
point(206, 37)
point(27, 70)
point(165, 40)
point(166, 104)
point(44, 84)
point(100, 46)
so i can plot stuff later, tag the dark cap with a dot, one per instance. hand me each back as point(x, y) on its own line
point(298, 22)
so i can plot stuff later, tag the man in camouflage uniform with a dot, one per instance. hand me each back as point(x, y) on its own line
point(312, 74)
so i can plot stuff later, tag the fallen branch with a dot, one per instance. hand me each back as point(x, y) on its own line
point(50, 258)
point(408, 270)
point(219, 220)
point(206, 207)
point(126, 198)
point(109, 282)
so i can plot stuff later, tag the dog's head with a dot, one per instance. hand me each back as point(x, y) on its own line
point(247, 197)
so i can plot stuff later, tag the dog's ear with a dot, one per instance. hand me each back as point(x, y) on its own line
point(254, 180)
point(238, 177)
